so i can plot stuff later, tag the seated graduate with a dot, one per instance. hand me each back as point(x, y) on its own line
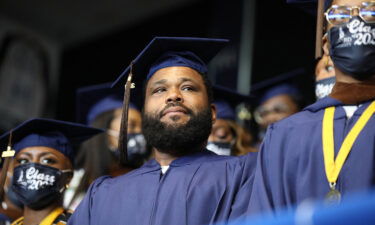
point(44, 153)
point(100, 106)
point(326, 151)
point(185, 183)
point(277, 98)
point(228, 137)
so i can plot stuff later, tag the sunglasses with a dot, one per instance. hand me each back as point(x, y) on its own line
point(338, 15)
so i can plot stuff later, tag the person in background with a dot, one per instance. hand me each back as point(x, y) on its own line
point(324, 77)
point(278, 98)
point(101, 107)
point(43, 166)
point(227, 137)
point(326, 151)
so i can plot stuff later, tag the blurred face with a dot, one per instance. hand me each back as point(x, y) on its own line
point(173, 94)
point(324, 68)
point(43, 155)
point(134, 121)
point(275, 109)
point(134, 125)
point(221, 132)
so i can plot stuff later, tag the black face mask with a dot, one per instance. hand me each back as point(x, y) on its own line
point(353, 48)
point(137, 150)
point(37, 186)
point(220, 148)
point(324, 87)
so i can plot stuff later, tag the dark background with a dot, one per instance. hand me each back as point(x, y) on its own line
point(90, 42)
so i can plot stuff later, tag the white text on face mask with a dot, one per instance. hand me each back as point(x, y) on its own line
point(34, 180)
point(362, 33)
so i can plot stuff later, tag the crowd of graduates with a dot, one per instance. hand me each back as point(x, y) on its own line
point(171, 149)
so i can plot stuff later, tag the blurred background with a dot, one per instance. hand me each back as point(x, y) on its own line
point(50, 48)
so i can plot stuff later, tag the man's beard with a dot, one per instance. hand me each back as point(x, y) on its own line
point(177, 140)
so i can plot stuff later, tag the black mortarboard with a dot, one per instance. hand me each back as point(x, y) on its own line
point(226, 100)
point(160, 53)
point(60, 135)
point(97, 99)
point(164, 52)
point(278, 85)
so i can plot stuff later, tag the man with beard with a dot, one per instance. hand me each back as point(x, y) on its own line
point(185, 183)
point(327, 151)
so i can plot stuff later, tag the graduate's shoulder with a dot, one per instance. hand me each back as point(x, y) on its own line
point(230, 162)
point(221, 159)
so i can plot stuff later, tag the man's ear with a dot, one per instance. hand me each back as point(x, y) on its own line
point(325, 45)
point(213, 112)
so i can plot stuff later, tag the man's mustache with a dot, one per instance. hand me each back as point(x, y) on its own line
point(169, 105)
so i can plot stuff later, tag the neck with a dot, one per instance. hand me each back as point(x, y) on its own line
point(32, 217)
point(165, 159)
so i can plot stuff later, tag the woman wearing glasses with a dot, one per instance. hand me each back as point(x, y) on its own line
point(327, 150)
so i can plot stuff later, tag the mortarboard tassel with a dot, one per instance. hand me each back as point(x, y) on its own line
point(7, 157)
point(123, 140)
point(319, 29)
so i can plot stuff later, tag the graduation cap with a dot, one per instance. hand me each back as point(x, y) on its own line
point(278, 85)
point(226, 100)
point(164, 52)
point(60, 135)
point(320, 7)
point(96, 99)
point(160, 53)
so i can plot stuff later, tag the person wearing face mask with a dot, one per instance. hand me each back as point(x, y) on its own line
point(327, 151)
point(227, 137)
point(278, 98)
point(324, 77)
point(43, 166)
point(101, 107)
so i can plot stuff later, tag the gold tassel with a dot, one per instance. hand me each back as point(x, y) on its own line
point(123, 140)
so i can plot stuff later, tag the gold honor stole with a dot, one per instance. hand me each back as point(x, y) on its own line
point(332, 166)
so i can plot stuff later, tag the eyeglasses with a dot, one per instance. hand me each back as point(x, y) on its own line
point(339, 15)
point(261, 112)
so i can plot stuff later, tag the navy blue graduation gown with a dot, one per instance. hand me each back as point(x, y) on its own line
point(290, 166)
point(198, 189)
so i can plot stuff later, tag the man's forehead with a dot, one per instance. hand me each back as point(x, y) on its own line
point(175, 74)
